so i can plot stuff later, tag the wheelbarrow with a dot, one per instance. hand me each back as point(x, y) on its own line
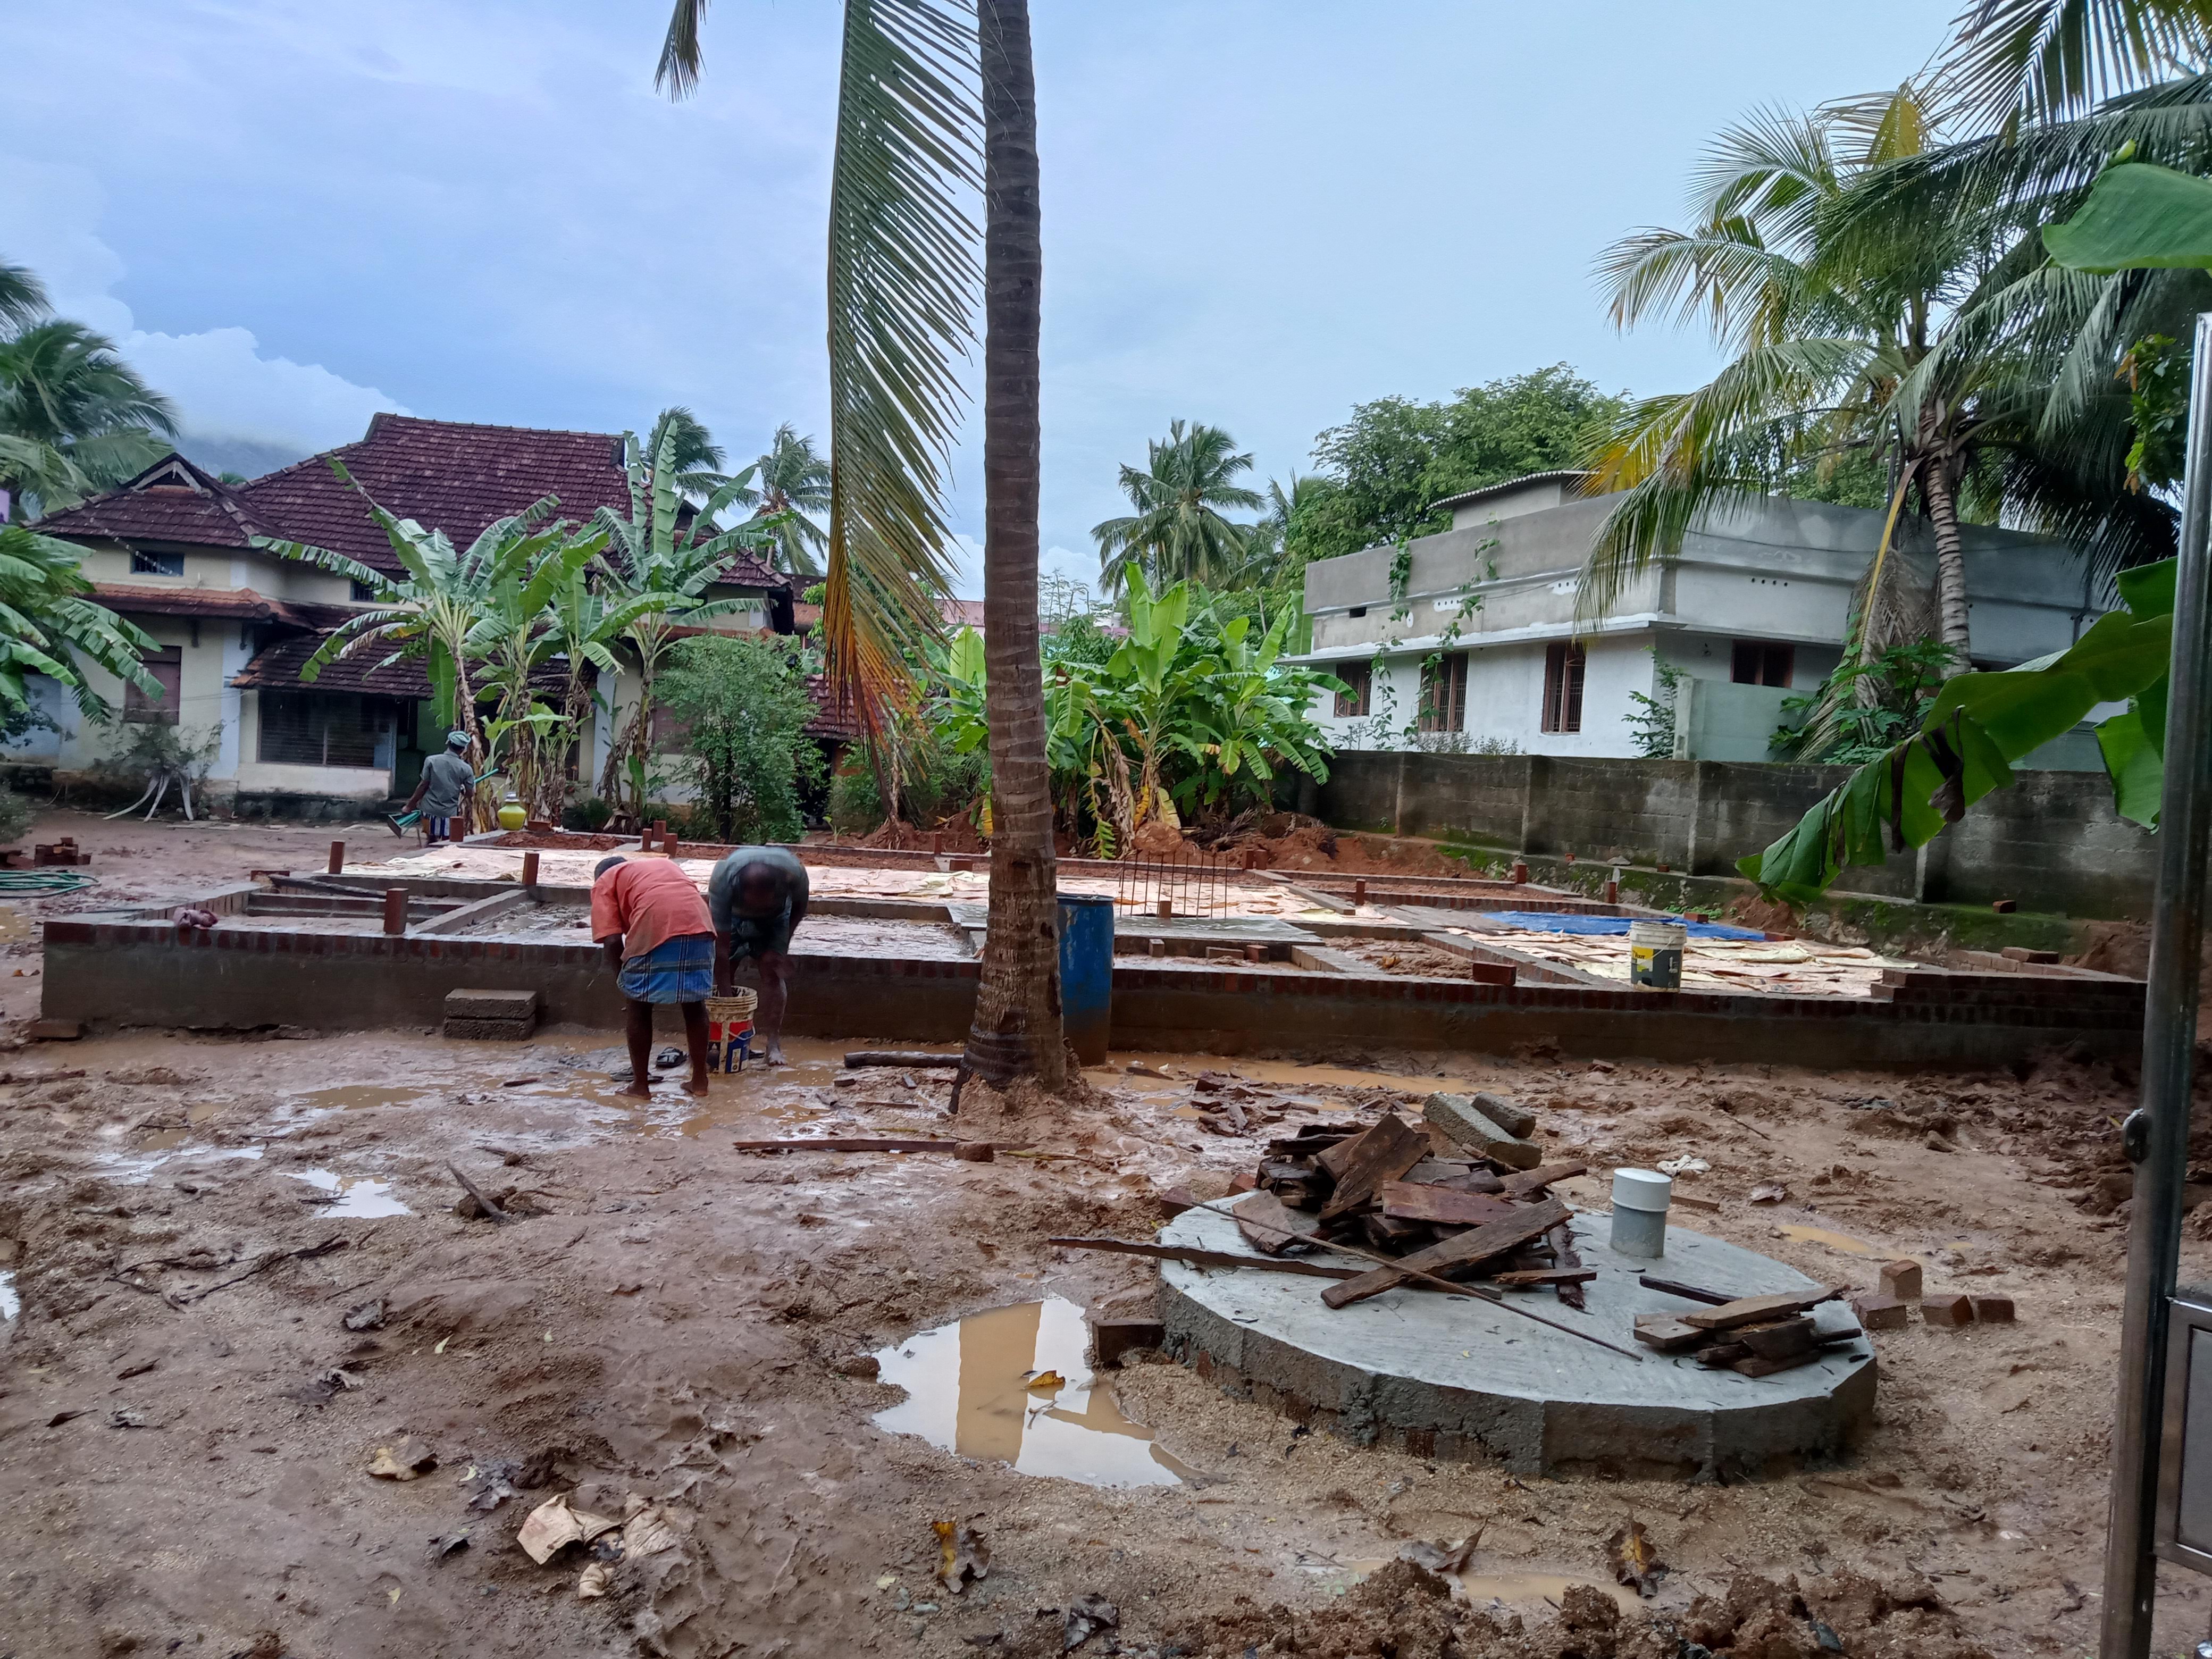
point(401, 823)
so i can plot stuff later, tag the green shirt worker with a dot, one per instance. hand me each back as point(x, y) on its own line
point(757, 898)
point(444, 791)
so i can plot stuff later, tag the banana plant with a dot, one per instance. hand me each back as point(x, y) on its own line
point(1978, 726)
point(46, 626)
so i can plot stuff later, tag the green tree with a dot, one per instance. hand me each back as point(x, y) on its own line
point(48, 626)
point(1387, 467)
point(75, 418)
point(924, 86)
point(22, 295)
point(1177, 532)
point(2013, 64)
point(746, 751)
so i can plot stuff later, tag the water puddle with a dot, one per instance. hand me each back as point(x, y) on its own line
point(135, 1168)
point(162, 1141)
point(11, 1303)
point(1842, 1244)
point(970, 1389)
point(358, 1097)
point(359, 1196)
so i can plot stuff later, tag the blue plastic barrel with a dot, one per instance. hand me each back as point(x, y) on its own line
point(1086, 974)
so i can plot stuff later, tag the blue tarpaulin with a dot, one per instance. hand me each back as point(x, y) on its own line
point(1567, 921)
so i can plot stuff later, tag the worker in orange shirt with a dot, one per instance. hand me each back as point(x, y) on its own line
point(656, 931)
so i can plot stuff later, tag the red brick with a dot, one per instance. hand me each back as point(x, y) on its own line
point(1114, 1337)
point(1901, 1278)
point(1947, 1311)
point(1879, 1313)
point(1992, 1310)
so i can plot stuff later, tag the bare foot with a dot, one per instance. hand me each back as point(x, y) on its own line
point(638, 1092)
point(774, 1055)
point(695, 1085)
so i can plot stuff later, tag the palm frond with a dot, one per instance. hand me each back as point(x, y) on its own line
point(905, 283)
point(2017, 62)
point(680, 52)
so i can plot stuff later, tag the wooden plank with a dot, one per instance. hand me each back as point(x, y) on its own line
point(851, 1146)
point(1688, 1292)
point(1562, 1241)
point(1203, 1258)
point(1441, 1206)
point(1758, 1366)
point(1722, 1355)
point(1534, 1181)
point(1783, 1340)
point(1476, 1244)
point(1394, 1237)
point(1268, 1224)
point(1383, 1153)
point(1667, 1333)
point(1526, 1279)
point(1749, 1310)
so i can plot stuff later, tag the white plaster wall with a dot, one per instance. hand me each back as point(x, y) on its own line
point(365, 783)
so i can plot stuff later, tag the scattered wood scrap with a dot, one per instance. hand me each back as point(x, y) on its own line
point(972, 1151)
point(1465, 1250)
point(1751, 1335)
point(1199, 1258)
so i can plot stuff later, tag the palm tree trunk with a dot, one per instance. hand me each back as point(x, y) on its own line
point(1017, 1027)
point(1950, 565)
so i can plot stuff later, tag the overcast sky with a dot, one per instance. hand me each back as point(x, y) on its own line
point(1256, 212)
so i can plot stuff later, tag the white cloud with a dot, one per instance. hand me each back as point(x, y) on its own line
point(222, 385)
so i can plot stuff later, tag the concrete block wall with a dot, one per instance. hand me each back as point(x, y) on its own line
point(2051, 844)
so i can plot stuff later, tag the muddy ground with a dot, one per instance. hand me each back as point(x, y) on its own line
point(671, 1321)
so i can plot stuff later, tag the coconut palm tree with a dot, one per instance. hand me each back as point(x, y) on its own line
point(924, 86)
point(1928, 344)
point(22, 295)
point(2014, 62)
point(794, 485)
point(1177, 531)
point(75, 418)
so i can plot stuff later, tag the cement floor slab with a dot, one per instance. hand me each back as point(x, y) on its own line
point(1448, 1377)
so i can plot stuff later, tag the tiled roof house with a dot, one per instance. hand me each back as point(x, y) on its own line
point(174, 549)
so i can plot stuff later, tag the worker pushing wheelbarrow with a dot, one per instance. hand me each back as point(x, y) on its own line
point(440, 800)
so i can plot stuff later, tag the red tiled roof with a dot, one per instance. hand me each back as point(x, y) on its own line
point(242, 604)
point(838, 725)
point(962, 613)
point(276, 668)
point(445, 475)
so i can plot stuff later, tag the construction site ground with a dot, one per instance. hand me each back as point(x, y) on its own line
point(188, 1419)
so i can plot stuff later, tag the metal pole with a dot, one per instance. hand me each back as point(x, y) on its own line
point(2157, 1133)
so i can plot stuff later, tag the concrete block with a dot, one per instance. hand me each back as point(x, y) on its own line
point(1112, 1338)
point(1992, 1310)
point(1947, 1311)
point(489, 1031)
point(491, 1004)
point(55, 1030)
point(1901, 1279)
point(1467, 1126)
point(1518, 1120)
point(1879, 1313)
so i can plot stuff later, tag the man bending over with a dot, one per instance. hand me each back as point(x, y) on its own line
point(757, 896)
point(656, 932)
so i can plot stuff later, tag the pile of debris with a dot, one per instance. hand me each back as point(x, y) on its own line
point(1756, 1336)
point(1461, 1195)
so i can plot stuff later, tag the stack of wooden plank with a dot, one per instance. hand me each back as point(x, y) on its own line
point(1456, 1196)
point(1756, 1336)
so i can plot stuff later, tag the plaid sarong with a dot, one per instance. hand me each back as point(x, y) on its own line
point(679, 970)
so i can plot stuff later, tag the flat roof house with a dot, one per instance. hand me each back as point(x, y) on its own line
point(173, 550)
point(1479, 648)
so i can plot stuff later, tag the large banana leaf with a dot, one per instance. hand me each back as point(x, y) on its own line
point(1978, 728)
point(2138, 216)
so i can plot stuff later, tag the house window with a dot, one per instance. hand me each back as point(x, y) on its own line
point(1758, 662)
point(1357, 610)
point(304, 728)
point(1359, 682)
point(364, 593)
point(168, 667)
point(1563, 688)
point(1444, 693)
point(157, 564)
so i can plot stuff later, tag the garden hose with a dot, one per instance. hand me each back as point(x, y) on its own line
point(42, 883)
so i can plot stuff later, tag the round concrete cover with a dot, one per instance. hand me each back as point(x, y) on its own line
point(1449, 1376)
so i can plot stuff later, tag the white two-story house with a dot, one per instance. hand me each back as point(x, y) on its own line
point(1478, 647)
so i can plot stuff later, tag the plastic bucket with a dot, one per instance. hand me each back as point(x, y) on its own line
point(1640, 1201)
point(1086, 974)
point(1654, 954)
point(730, 1029)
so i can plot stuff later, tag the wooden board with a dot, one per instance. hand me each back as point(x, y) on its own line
point(1667, 1333)
point(1533, 1277)
point(1269, 1226)
point(1535, 1180)
point(1756, 1365)
point(1441, 1206)
point(1202, 1258)
point(1784, 1339)
point(1476, 1244)
point(1748, 1310)
point(1383, 1153)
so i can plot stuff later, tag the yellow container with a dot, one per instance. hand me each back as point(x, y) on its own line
point(513, 815)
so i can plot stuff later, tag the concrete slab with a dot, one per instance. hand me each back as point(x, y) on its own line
point(1448, 1377)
